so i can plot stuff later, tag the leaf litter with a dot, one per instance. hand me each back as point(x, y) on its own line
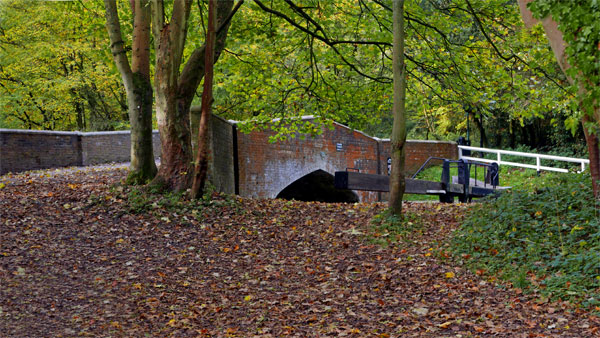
point(76, 261)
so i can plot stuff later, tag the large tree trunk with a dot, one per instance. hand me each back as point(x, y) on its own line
point(136, 80)
point(397, 179)
point(175, 92)
point(173, 122)
point(557, 42)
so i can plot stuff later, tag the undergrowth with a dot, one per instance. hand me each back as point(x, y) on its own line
point(543, 236)
point(148, 200)
point(387, 228)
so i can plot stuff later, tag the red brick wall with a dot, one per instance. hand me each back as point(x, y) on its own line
point(267, 168)
point(264, 168)
point(418, 151)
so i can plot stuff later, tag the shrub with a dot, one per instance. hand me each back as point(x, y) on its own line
point(545, 237)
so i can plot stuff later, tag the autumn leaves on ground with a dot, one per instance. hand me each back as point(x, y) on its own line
point(82, 256)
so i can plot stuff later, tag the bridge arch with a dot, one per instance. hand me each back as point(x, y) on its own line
point(317, 185)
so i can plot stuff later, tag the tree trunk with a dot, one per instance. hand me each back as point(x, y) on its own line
point(591, 139)
point(136, 80)
point(175, 92)
point(201, 163)
point(483, 140)
point(142, 168)
point(173, 121)
point(397, 179)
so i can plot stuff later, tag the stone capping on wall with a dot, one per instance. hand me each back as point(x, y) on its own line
point(68, 133)
point(41, 132)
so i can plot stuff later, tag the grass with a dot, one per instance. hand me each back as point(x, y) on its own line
point(509, 176)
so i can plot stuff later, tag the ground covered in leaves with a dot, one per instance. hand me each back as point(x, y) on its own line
point(79, 256)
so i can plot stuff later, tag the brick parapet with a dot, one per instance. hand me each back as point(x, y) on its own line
point(22, 150)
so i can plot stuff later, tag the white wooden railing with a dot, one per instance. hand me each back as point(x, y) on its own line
point(538, 159)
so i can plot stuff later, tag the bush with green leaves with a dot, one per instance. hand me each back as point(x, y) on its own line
point(543, 237)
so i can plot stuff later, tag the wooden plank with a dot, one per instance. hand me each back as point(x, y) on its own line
point(455, 188)
point(360, 181)
point(421, 187)
point(372, 182)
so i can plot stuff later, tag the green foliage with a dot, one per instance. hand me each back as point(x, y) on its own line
point(544, 236)
point(55, 68)
point(155, 199)
point(451, 67)
point(579, 21)
point(60, 75)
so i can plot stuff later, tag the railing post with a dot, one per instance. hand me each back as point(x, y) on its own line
point(499, 157)
point(464, 178)
point(445, 179)
point(538, 163)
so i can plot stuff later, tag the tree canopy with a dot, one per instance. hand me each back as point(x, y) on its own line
point(285, 59)
point(55, 68)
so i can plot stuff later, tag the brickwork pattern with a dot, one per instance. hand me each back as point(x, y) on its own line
point(22, 150)
point(267, 168)
point(30, 150)
point(260, 169)
point(221, 172)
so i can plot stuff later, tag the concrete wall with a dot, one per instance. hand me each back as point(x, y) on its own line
point(22, 150)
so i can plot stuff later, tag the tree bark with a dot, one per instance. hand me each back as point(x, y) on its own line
point(175, 92)
point(193, 71)
point(173, 123)
point(136, 80)
point(202, 153)
point(398, 139)
point(483, 140)
point(591, 140)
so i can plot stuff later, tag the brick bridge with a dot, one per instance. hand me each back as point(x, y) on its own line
point(248, 165)
point(245, 164)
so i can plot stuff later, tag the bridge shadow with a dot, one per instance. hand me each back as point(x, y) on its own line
point(317, 186)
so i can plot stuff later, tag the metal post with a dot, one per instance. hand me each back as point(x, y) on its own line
point(445, 179)
point(464, 178)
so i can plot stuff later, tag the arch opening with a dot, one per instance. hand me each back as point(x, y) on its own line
point(317, 186)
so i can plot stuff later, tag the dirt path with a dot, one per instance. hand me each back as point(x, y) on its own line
point(74, 261)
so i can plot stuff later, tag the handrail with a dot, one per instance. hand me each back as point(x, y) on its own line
point(424, 164)
point(538, 166)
